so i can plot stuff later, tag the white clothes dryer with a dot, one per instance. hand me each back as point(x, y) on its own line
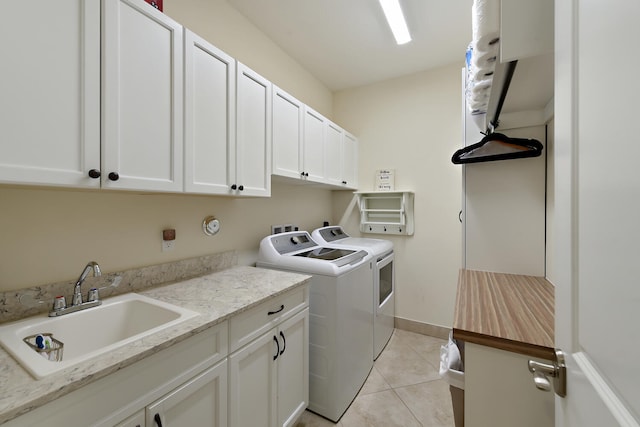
point(384, 286)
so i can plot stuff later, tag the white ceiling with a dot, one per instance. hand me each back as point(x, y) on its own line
point(347, 43)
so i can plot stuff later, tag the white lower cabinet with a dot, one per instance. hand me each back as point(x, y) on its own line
point(499, 390)
point(293, 368)
point(201, 401)
point(269, 362)
point(263, 382)
point(136, 420)
point(184, 375)
point(271, 376)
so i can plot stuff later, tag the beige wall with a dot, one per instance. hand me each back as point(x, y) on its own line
point(228, 30)
point(413, 125)
point(49, 235)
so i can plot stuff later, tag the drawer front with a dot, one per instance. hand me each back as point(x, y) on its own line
point(247, 326)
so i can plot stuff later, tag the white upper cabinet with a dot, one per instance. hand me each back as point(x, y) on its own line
point(313, 142)
point(251, 160)
point(50, 86)
point(288, 114)
point(142, 99)
point(210, 82)
point(120, 96)
point(350, 161)
point(333, 153)
point(307, 146)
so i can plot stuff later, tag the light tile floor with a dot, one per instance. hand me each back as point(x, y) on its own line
point(403, 389)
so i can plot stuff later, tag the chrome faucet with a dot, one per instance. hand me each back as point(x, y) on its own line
point(77, 295)
point(93, 300)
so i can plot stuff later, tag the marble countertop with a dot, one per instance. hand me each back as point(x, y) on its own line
point(506, 311)
point(217, 297)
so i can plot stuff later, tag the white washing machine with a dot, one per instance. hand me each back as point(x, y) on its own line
point(340, 315)
point(384, 286)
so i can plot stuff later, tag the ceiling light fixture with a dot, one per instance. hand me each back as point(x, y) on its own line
point(395, 18)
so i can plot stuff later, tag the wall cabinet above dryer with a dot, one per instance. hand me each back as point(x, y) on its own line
point(309, 147)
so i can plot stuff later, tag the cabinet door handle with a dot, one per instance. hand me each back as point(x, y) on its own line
point(460, 217)
point(158, 420)
point(284, 343)
point(271, 313)
point(113, 176)
point(233, 187)
point(94, 173)
point(241, 188)
point(275, 356)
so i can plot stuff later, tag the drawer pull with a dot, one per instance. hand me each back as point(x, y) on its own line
point(277, 311)
point(284, 343)
point(275, 356)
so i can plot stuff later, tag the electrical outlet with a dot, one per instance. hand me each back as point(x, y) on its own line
point(168, 245)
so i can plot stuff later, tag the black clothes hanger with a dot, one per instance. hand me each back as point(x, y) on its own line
point(497, 146)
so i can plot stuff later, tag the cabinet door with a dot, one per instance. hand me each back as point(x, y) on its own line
point(209, 116)
point(253, 135)
point(142, 98)
point(202, 401)
point(287, 134)
point(350, 161)
point(313, 154)
point(252, 383)
point(50, 92)
point(136, 420)
point(293, 368)
point(333, 154)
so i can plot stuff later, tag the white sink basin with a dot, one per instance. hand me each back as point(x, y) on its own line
point(91, 332)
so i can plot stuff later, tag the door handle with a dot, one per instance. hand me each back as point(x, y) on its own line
point(556, 370)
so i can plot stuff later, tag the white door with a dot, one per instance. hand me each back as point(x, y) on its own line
point(293, 368)
point(253, 134)
point(209, 94)
point(142, 98)
point(50, 93)
point(253, 383)
point(313, 145)
point(597, 195)
point(287, 134)
point(350, 161)
point(333, 154)
point(202, 401)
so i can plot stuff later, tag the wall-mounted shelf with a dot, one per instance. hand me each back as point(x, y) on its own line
point(386, 212)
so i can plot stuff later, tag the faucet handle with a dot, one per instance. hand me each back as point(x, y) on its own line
point(93, 295)
point(59, 303)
